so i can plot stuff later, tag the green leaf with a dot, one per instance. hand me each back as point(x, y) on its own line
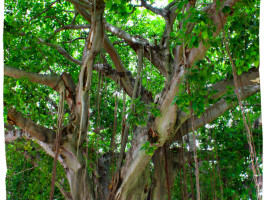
point(109, 4)
point(256, 63)
point(204, 34)
point(239, 71)
point(117, 1)
point(150, 151)
point(201, 106)
point(202, 24)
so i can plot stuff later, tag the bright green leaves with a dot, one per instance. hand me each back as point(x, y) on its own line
point(202, 30)
point(198, 102)
point(148, 148)
point(204, 34)
point(29, 171)
point(243, 36)
point(109, 3)
point(121, 7)
point(117, 1)
point(199, 80)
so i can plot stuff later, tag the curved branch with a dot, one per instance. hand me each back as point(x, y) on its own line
point(83, 5)
point(107, 71)
point(36, 131)
point(50, 6)
point(150, 51)
point(214, 111)
point(219, 19)
point(155, 10)
point(130, 39)
point(127, 81)
point(219, 108)
point(53, 81)
point(62, 51)
point(246, 79)
point(248, 85)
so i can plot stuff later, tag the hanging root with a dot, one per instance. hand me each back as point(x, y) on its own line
point(255, 168)
point(58, 138)
point(126, 130)
point(195, 151)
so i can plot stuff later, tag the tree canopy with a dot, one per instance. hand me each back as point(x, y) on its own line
point(119, 99)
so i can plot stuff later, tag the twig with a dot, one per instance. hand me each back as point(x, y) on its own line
point(21, 172)
point(44, 10)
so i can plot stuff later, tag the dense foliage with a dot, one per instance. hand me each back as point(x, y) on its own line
point(51, 38)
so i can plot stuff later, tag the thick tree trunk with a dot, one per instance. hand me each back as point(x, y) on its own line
point(159, 189)
point(163, 174)
point(139, 189)
point(79, 184)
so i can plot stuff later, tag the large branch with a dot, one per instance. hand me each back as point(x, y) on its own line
point(150, 51)
point(20, 133)
point(55, 82)
point(188, 157)
point(12, 135)
point(36, 131)
point(249, 85)
point(127, 81)
point(107, 71)
point(48, 80)
point(220, 108)
point(219, 20)
point(158, 11)
point(248, 80)
point(216, 110)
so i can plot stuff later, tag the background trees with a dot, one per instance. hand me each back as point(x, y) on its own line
point(166, 59)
